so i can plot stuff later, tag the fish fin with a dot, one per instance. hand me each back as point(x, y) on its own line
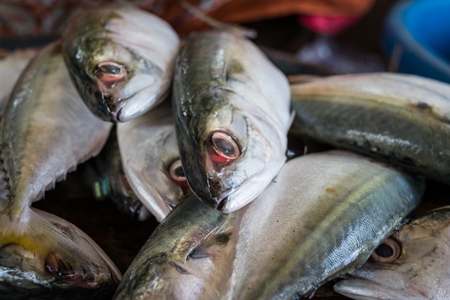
point(211, 245)
point(240, 30)
point(60, 250)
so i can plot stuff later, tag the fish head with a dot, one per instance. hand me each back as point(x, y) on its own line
point(159, 176)
point(151, 160)
point(55, 258)
point(116, 78)
point(193, 270)
point(230, 159)
point(411, 264)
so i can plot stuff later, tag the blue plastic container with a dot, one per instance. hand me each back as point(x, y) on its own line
point(419, 31)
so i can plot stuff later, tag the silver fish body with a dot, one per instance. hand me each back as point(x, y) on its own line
point(120, 59)
point(47, 131)
point(10, 68)
point(421, 271)
point(395, 117)
point(231, 108)
point(332, 210)
point(321, 217)
point(149, 151)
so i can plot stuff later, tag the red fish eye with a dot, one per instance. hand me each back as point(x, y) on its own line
point(224, 147)
point(109, 72)
point(176, 171)
point(387, 252)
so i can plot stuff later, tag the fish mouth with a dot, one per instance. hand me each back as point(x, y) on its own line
point(108, 108)
point(222, 204)
point(123, 109)
point(367, 285)
point(357, 288)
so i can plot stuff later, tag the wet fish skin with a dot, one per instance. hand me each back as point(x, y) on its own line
point(223, 83)
point(421, 270)
point(10, 68)
point(47, 131)
point(344, 205)
point(181, 261)
point(276, 249)
point(138, 50)
point(148, 147)
point(407, 114)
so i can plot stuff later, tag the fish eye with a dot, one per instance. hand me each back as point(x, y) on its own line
point(224, 147)
point(180, 269)
point(387, 252)
point(109, 72)
point(176, 171)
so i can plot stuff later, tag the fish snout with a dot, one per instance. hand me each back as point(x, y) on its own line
point(107, 107)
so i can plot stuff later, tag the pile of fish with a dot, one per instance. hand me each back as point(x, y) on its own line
point(195, 134)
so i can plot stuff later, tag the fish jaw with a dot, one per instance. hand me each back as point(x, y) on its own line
point(362, 289)
point(43, 253)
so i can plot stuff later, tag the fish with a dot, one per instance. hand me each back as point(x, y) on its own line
point(320, 218)
point(120, 59)
point(184, 258)
point(407, 114)
point(411, 264)
point(47, 131)
point(107, 179)
point(232, 113)
point(151, 160)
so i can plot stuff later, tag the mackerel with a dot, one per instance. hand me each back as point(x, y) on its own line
point(120, 59)
point(412, 264)
point(151, 160)
point(402, 119)
point(47, 131)
point(231, 108)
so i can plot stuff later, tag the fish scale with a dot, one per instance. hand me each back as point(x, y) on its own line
point(419, 272)
point(370, 204)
